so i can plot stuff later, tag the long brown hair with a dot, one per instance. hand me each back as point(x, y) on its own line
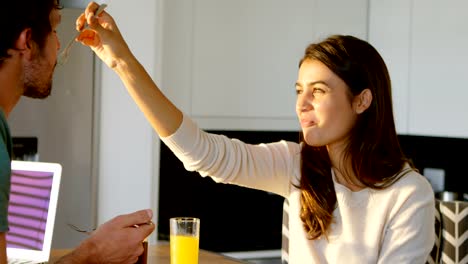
point(373, 148)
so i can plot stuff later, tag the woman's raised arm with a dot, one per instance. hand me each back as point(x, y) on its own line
point(105, 39)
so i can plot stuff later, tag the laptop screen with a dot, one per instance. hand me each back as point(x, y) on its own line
point(32, 207)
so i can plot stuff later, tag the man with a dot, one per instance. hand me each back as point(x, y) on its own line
point(28, 54)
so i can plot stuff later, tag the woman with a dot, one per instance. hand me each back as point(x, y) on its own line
point(354, 197)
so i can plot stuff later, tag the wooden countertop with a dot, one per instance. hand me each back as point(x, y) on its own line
point(160, 254)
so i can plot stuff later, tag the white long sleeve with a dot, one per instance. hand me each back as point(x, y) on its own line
point(394, 225)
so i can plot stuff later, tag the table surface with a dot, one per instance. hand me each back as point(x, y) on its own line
point(160, 254)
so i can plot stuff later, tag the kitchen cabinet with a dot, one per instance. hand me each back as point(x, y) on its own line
point(439, 69)
point(233, 64)
point(424, 44)
point(389, 33)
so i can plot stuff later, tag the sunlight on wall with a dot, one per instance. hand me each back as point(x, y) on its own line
point(79, 3)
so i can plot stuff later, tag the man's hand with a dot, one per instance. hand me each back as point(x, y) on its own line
point(119, 240)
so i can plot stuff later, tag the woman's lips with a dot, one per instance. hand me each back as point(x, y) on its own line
point(307, 123)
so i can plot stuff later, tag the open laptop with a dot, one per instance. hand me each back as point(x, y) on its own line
point(31, 212)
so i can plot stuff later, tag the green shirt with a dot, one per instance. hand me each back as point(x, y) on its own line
point(5, 171)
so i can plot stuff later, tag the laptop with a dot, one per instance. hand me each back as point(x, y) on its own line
point(31, 212)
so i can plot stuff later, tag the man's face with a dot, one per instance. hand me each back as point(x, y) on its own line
point(39, 70)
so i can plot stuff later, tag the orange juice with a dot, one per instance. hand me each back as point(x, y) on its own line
point(184, 249)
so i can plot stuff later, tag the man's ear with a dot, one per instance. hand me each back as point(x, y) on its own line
point(24, 44)
point(362, 101)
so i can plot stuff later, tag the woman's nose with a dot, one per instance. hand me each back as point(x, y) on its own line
point(304, 101)
point(306, 98)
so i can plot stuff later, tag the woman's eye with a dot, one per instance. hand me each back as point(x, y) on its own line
point(318, 91)
point(311, 92)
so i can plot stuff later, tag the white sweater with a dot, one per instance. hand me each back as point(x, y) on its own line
point(394, 225)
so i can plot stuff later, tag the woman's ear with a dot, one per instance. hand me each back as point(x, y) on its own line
point(362, 101)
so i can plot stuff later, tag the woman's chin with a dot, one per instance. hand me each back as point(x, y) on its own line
point(314, 142)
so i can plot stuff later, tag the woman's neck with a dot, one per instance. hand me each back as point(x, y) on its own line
point(343, 168)
point(351, 183)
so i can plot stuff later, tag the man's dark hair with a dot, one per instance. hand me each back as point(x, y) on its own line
point(19, 15)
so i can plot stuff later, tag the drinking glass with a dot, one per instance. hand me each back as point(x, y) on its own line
point(184, 240)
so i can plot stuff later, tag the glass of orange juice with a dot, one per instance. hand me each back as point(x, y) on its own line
point(184, 239)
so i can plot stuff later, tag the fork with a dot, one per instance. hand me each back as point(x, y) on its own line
point(63, 56)
point(77, 229)
point(89, 231)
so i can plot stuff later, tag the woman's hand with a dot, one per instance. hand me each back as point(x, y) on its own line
point(102, 36)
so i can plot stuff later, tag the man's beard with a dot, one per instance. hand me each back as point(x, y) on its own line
point(37, 82)
point(33, 91)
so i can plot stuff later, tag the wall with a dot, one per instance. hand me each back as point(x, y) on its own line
point(74, 3)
